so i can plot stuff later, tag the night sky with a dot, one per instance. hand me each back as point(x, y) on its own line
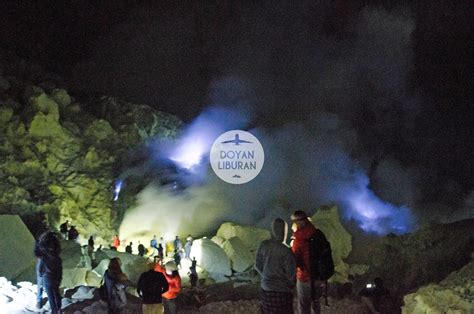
point(398, 72)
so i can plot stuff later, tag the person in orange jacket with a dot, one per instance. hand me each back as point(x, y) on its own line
point(171, 274)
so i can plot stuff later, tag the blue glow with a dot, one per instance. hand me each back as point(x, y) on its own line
point(117, 189)
point(372, 213)
point(192, 148)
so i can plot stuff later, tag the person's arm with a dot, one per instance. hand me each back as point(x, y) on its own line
point(290, 268)
point(164, 283)
point(259, 260)
point(139, 286)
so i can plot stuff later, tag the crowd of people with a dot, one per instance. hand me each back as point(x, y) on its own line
point(284, 269)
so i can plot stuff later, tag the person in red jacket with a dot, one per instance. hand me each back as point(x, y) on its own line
point(300, 247)
point(174, 285)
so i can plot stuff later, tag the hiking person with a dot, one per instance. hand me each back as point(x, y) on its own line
point(177, 258)
point(174, 286)
point(151, 285)
point(90, 247)
point(160, 250)
point(163, 245)
point(154, 242)
point(73, 234)
point(141, 249)
point(63, 228)
point(90, 242)
point(301, 249)
point(276, 265)
point(116, 241)
point(177, 244)
point(188, 245)
point(50, 269)
point(115, 283)
point(128, 248)
point(193, 276)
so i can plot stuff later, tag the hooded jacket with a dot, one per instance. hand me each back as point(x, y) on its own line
point(174, 283)
point(275, 261)
point(301, 250)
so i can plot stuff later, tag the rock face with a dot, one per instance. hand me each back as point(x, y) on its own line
point(250, 236)
point(327, 220)
point(455, 294)
point(16, 246)
point(428, 255)
point(212, 258)
point(239, 255)
point(61, 159)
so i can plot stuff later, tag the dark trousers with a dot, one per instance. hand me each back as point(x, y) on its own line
point(305, 302)
point(170, 306)
point(54, 298)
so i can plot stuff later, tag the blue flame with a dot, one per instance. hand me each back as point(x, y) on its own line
point(197, 139)
point(117, 189)
point(373, 214)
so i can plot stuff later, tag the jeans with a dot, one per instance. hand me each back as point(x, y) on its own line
point(54, 298)
point(170, 306)
point(39, 293)
point(305, 302)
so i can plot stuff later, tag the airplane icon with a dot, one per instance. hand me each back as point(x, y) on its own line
point(236, 140)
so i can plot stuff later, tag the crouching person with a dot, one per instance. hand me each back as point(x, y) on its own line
point(151, 285)
point(276, 264)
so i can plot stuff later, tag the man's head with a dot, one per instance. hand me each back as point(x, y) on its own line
point(300, 219)
point(279, 230)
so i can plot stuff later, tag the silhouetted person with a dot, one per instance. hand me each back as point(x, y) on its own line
point(151, 285)
point(47, 250)
point(141, 249)
point(188, 245)
point(177, 258)
point(163, 245)
point(115, 283)
point(276, 265)
point(193, 277)
point(178, 245)
point(64, 228)
point(73, 233)
point(90, 242)
point(128, 248)
point(160, 250)
point(194, 263)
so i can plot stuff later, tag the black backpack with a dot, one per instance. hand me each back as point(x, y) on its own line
point(321, 262)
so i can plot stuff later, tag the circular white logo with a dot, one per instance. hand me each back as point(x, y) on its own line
point(237, 157)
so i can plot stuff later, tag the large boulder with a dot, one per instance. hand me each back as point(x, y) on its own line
point(132, 265)
point(327, 220)
point(211, 258)
point(250, 236)
point(455, 294)
point(16, 246)
point(240, 256)
point(428, 255)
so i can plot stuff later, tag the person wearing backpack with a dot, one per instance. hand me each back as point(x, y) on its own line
point(276, 265)
point(116, 282)
point(307, 297)
point(151, 285)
